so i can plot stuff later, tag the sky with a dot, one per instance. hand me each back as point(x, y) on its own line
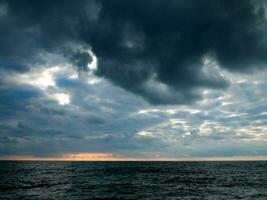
point(133, 80)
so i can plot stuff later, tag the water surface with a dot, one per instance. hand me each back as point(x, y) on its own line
point(133, 180)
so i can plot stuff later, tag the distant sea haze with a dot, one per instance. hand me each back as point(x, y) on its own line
point(133, 180)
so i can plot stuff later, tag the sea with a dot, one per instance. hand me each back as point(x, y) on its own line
point(133, 180)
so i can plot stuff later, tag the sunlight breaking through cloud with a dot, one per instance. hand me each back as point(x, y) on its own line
point(62, 98)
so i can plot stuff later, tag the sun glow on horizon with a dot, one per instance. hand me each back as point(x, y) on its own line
point(113, 157)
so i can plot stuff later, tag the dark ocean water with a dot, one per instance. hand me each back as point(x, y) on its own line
point(133, 180)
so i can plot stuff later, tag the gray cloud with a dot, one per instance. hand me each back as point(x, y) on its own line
point(164, 52)
point(154, 49)
point(104, 118)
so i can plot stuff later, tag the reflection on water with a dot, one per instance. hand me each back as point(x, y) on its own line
point(133, 180)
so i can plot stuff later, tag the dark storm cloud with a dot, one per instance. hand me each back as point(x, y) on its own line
point(152, 48)
point(81, 60)
point(13, 98)
point(13, 66)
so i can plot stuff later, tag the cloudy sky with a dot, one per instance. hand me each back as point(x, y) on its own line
point(138, 79)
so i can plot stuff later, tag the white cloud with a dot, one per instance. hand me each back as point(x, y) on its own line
point(41, 78)
point(62, 98)
point(145, 133)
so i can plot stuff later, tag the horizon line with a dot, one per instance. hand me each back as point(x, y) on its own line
point(110, 157)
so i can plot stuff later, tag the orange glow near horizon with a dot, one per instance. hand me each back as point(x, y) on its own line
point(112, 157)
point(66, 157)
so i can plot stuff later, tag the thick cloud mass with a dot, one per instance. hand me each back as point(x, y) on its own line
point(152, 48)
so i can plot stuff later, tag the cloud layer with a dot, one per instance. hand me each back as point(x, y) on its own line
point(154, 49)
point(138, 79)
